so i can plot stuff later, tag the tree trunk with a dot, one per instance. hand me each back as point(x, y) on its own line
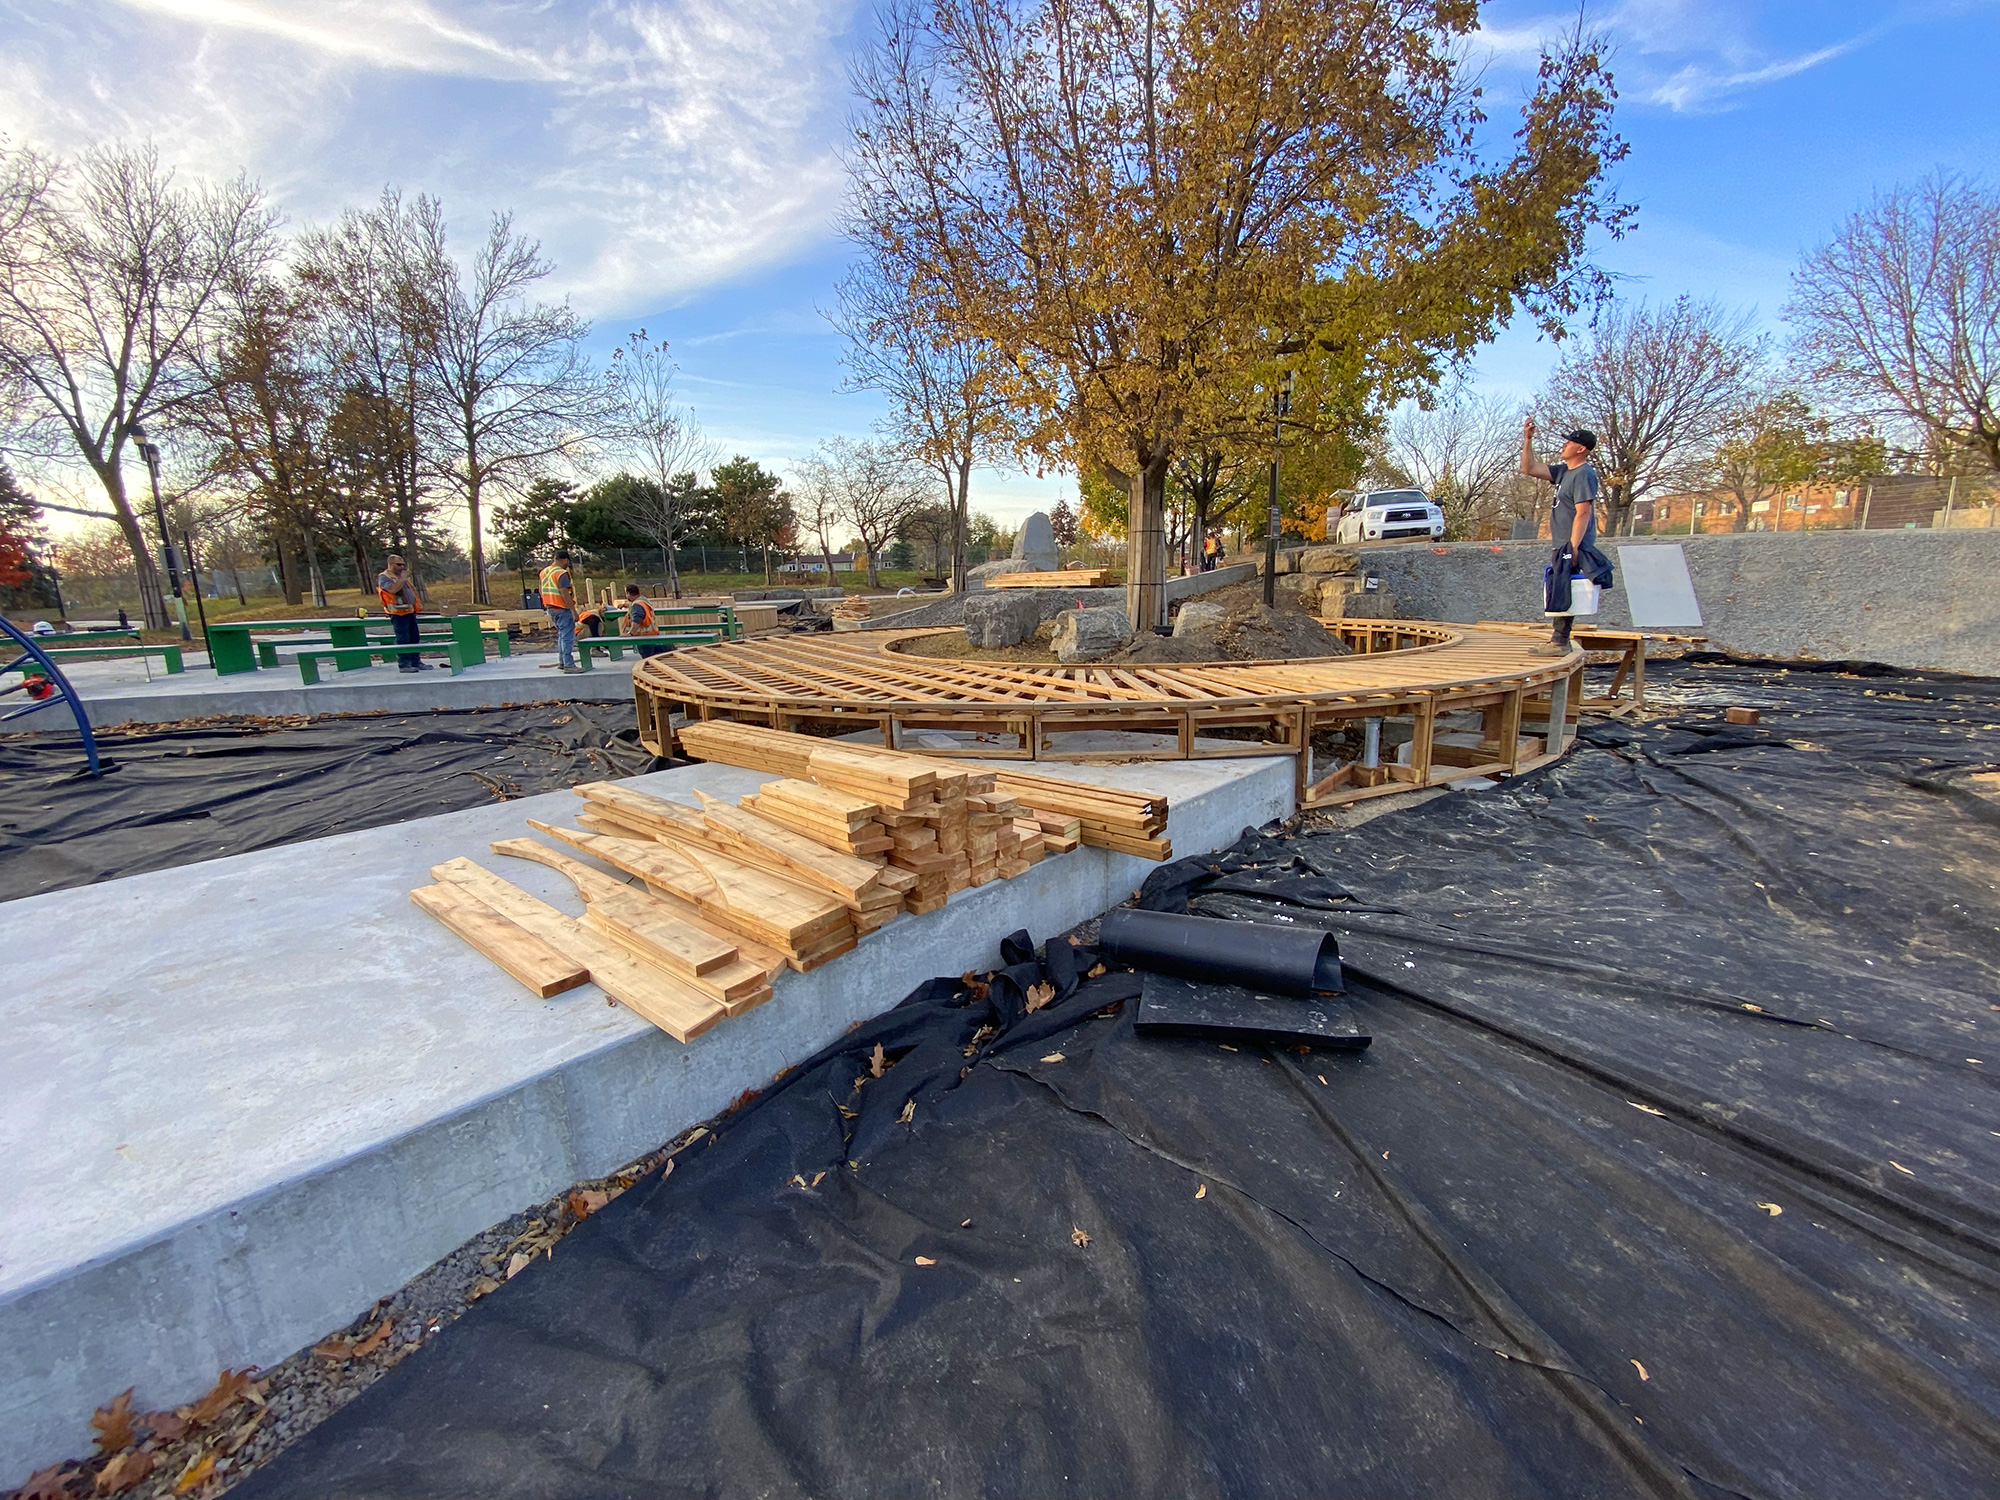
point(958, 518)
point(479, 547)
point(237, 579)
point(312, 568)
point(1146, 545)
point(288, 564)
point(874, 563)
point(767, 565)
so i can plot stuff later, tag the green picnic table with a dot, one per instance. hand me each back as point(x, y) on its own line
point(722, 616)
point(232, 647)
point(87, 637)
point(170, 655)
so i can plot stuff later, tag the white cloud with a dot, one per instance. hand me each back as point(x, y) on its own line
point(655, 148)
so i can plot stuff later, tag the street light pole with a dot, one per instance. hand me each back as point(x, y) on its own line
point(1281, 407)
point(150, 452)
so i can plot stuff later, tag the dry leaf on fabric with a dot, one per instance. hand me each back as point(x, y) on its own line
point(1322, 1078)
point(1053, 1057)
point(1758, 1008)
point(1647, 1109)
point(1079, 1239)
point(1641, 1369)
point(114, 1424)
point(1040, 995)
point(909, 1112)
point(481, 1287)
point(973, 986)
point(1771, 1208)
point(1202, 1191)
point(878, 1062)
point(1097, 971)
point(925, 1260)
point(817, 1176)
point(1903, 1169)
point(124, 1472)
point(965, 1224)
point(583, 1202)
point(47, 1484)
point(196, 1474)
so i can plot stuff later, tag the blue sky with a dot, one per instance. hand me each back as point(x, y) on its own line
point(679, 161)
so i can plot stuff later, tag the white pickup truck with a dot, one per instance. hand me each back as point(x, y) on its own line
point(1389, 516)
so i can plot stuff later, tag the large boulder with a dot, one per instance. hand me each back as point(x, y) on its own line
point(977, 578)
point(1035, 545)
point(1329, 560)
point(1197, 618)
point(1090, 634)
point(1002, 617)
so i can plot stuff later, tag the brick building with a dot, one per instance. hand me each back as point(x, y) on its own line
point(1893, 502)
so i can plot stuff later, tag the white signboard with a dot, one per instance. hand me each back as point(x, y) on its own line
point(1657, 588)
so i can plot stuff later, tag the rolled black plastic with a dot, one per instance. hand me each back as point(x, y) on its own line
point(1256, 955)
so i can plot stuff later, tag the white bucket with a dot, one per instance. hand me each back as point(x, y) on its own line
point(1584, 596)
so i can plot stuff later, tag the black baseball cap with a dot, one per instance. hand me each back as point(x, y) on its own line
point(1584, 438)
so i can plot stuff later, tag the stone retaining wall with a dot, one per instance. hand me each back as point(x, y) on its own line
point(1904, 598)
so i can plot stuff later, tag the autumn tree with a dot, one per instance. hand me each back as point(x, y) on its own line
point(752, 506)
point(1780, 443)
point(1144, 210)
point(1898, 314)
point(663, 434)
point(109, 273)
point(511, 391)
point(1659, 386)
point(1461, 449)
point(947, 402)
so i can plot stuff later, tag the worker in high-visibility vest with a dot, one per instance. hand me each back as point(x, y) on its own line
point(398, 592)
point(642, 620)
point(559, 599)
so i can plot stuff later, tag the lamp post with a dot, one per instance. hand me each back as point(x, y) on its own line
point(150, 452)
point(1281, 407)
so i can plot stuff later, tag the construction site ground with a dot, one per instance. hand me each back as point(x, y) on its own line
point(1668, 1172)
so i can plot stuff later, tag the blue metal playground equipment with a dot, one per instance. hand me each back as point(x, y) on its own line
point(46, 668)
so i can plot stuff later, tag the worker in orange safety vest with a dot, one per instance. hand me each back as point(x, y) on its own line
point(642, 620)
point(559, 599)
point(400, 601)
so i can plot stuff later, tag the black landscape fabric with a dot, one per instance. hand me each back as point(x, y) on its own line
point(1669, 1172)
point(177, 794)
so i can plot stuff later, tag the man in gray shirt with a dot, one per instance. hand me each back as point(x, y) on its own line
point(1573, 514)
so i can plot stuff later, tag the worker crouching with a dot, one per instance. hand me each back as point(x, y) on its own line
point(642, 620)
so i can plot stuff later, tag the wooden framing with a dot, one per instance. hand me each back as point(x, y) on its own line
point(1414, 669)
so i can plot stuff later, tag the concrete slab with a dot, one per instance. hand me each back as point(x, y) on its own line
point(242, 1100)
point(121, 692)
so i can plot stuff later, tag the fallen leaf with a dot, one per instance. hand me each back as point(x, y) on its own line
point(1079, 1239)
point(878, 1062)
point(1227, 1048)
point(816, 1178)
point(1641, 1369)
point(518, 1263)
point(846, 1113)
point(925, 1260)
point(583, 1202)
point(1053, 1057)
point(1758, 1008)
point(1202, 1191)
point(973, 986)
point(376, 1339)
point(909, 1111)
point(114, 1424)
point(1322, 1078)
point(123, 1472)
point(1096, 972)
point(46, 1484)
point(195, 1474)
point(481, 1287)
point(1903, 1169)
point(167, 1426)
point(230, 1387)
point(966, 1224)
point(1040, 995)
point(1647, 1109)
point(1771, 1208)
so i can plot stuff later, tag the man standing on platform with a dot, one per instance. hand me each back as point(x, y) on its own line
point(398, 592)
point(1572, 515)
point(559, 599)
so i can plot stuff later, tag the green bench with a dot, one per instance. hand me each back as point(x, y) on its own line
point(722, 616)
point(457, 654)
point(171, 655)
point(268, 647)
point(86, 637)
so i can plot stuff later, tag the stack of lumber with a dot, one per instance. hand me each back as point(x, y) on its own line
point(1063, 812)
point(658, 957)
point(1069, 578)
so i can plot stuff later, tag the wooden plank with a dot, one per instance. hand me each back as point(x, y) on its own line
point(543, 969)
point(665, 1000)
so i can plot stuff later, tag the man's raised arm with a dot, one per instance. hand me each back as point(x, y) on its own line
point(1533, 467)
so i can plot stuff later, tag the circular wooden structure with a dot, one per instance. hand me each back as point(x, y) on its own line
point(1401, 669)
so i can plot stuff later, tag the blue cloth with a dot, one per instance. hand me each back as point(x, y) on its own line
point(405, 628)
point(565, 635)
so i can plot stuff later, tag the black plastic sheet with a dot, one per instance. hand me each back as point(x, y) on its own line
point(1669, 1172)
point(180, 794)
